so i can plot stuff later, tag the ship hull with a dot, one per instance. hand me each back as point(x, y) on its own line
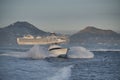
point(22, 41)
point(58, 52)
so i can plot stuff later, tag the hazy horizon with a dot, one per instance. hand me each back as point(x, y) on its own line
point(62, 15)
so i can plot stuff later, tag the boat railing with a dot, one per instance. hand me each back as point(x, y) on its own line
point(28, 37)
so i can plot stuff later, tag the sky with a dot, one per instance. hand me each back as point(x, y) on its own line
point(62, 15)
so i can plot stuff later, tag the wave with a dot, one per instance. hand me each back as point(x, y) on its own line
point(41, 52)
point(80, 52)
point(44, 69)
point(33, 70)
point(37, 52)
point(105, 49)
point(62, 74)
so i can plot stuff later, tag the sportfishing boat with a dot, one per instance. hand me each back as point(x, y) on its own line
point(57, 50)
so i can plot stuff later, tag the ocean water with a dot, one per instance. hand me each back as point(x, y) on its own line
point(37, 64)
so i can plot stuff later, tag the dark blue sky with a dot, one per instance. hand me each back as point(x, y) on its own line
point(62, 15)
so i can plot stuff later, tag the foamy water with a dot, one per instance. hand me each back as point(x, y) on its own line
point(80, 52)
point(63, 73)
point(18, 68)
point(37, 52)
point(32, 70)
point(40, 52)
point(45, 70)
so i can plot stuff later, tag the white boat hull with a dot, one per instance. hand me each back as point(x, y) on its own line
point(58, 52)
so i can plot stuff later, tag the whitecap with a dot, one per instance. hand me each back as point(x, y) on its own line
point(79, 52)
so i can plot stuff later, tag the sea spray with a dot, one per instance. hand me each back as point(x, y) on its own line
point(79, 52)
point(37, 52)
point(41, 52)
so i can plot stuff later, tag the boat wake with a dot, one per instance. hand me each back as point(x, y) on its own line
point(41, 52)
point(40, 69)
point(63, 73)
point(33, 70)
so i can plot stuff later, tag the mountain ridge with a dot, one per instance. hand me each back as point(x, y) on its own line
point(92, 35)
point(94, 30)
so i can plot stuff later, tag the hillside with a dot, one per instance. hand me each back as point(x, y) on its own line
point(94, 36)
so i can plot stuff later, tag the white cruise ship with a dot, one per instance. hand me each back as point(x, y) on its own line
point(41, 40)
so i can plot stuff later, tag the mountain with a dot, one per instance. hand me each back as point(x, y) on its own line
point(9, 33)
point(91, 35)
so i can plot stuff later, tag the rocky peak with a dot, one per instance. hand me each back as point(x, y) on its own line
point(93, 30)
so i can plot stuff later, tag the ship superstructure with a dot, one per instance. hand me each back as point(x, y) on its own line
point(42, 40)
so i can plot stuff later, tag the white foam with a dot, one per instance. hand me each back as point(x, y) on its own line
point(62, 74)
point(105, 50)
point(40, 52)
point(46, 70)
point(36, 52)
point(80, 52)
point(15, 54)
